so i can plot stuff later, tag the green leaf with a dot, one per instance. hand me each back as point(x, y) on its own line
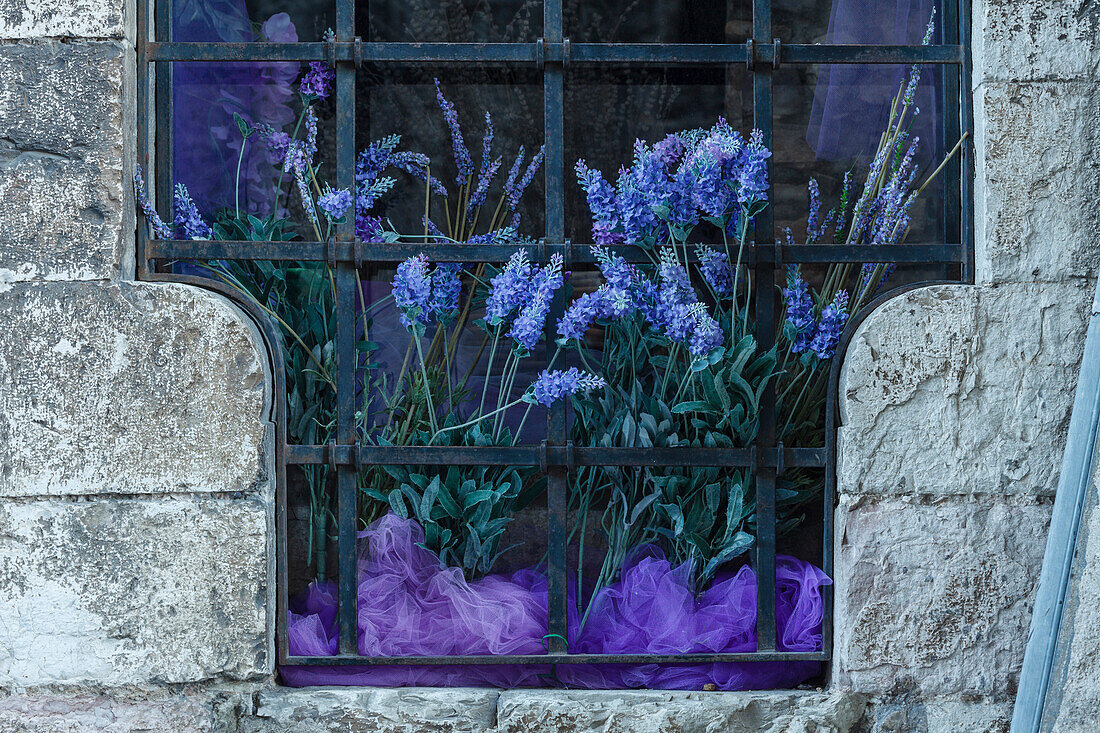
point(692, 406)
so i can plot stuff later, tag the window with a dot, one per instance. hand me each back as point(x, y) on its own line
point(592, 77)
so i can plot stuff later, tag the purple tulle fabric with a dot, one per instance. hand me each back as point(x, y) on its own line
point(410, 605)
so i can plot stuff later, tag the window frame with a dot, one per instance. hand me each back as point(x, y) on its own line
point(551, 54)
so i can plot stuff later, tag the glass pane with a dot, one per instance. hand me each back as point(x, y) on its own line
point(406, 104)
point(879, 22)
point(457, 21)
point(607, 110)
point(661, 21)
point(242, 21)
point(829, 121)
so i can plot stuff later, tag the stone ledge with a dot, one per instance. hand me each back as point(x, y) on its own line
point(962, 390)
point(108, 593)
point(29, 19)
point(355, 710)
point(933, 598)
point(129, 388)
point(66, 152)
point(936, 716)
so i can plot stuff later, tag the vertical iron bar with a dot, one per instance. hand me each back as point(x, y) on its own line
point(949, 103)
point(163, 160)
point(557, 480)
point(966, 165)
point(765, 336)
point(146, 115)
point(345, 338)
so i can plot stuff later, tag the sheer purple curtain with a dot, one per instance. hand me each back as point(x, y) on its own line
point(206, 95)
point(852, 102)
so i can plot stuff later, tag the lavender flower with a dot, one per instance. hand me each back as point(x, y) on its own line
point(529, 324)
point(513, 172)
point(487, 146)
point(601, 202)
point(603, 304)
point(317, 82)
point(528, 176)
point(335, 203)
point(552, 386)
point(753, 177)
point(508, 289)
point(188, 220)
point(706, 336)
point(152, 218)
point(299, 165)
point(716, 270)
point(833, 318)
point(412, 291)
point(446, 289)
point(914, 72)
point(800, 310)
point(812, 232)
point(477, 198)
point(463, 161)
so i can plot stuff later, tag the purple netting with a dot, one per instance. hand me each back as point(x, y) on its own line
point(410, 605)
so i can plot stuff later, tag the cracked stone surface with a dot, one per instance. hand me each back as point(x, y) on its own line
point(101, 714)
point(102, 19)
point(957, 390)
point(129, 388)
point(123, 592)
point(1028, 41)
point(937, 716)
point(65, 161)
point(934, 597)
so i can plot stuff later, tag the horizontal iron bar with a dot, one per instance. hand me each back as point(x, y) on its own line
point(661, 54)
point(573, 251)
point(552, 455)
point(565, 659)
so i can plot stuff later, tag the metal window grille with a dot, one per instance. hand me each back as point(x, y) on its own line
point(550, 55)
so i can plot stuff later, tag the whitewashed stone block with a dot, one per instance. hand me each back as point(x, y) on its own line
point(101, 19)
point(934, 599)
point(120, 592)
point(371, 710)
point(129, 388)
point(99, 714)
point(1028, 41)
point(645, 711)
point(1038, 163)
point(66, 152)
point(937, 716)
point(959, 389)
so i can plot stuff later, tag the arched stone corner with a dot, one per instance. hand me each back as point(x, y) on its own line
point(137, 484)
point(954, 402)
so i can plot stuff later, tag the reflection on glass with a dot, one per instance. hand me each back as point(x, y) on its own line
point(658, 21)
point(456, 21)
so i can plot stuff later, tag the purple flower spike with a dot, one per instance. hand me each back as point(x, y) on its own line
point(152, 218)
point(508, 290)
point(528, 327)
point(412, 291)
point(800, 310)
point(833, 318)
point(706, 336)
point(513, 173)
point(477, 198)
point(188, 220)
point(552, 386)
point(317, 82)
point(716, 270)
point(335, 203)
point(528, 176)
point(463, 161)
point(446, 289)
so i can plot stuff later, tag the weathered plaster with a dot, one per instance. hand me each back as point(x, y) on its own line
point(66, 158)
point(1015, 40)
point(933, 597)
point(129, 388)
point(115, 592)
point(88, 19)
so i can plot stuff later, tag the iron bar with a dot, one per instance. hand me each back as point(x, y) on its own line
point(574, 252)
point(601, 54)
point(561, 658)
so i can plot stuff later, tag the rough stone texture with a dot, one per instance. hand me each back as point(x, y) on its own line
point(936, 716)
point(99, 714)
point(1027, 41)
point(1073, 694)
point(1035, 212)
point(128, 388)
point(934, 598)
point(325, 710)
point(65, 122)
point(962, 390)
point(22, 19)
point(134, 591)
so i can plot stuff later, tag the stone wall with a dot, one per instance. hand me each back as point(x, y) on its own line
point(135, 448)
point(955, 400)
